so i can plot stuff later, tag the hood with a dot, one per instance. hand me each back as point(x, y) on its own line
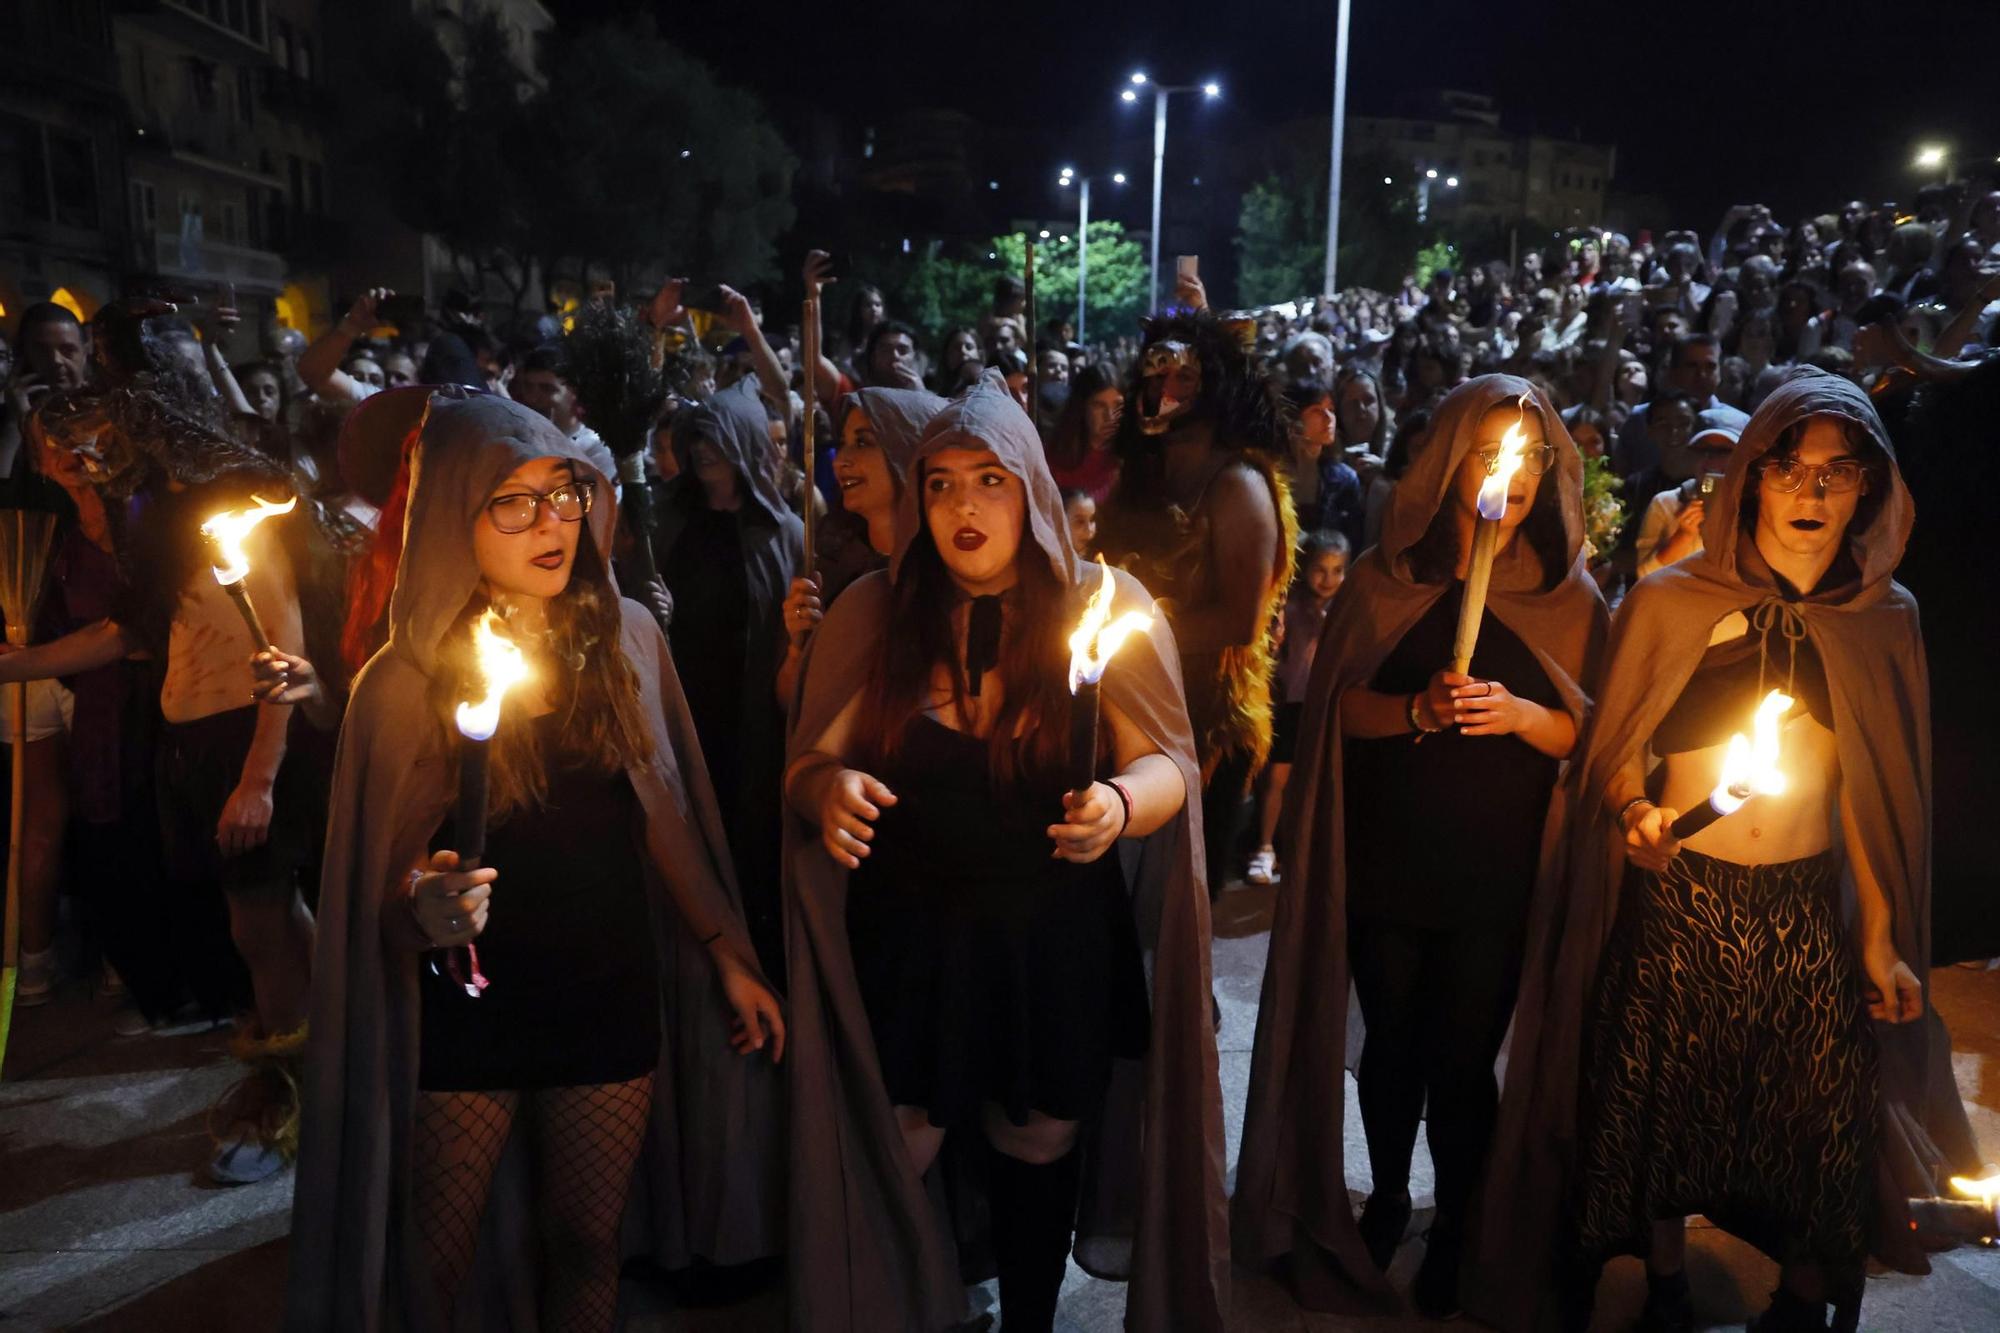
point(986, 416)
point(1806, 392)
point(898, 417)
point(467, 447)
point(1426, 484)
point(734, 420)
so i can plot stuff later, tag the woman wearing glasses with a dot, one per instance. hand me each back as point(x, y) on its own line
point(1706, 1029)
point(601, 817)
point(1417, 808)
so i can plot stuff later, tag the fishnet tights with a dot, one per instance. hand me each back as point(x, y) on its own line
point(587, 1142)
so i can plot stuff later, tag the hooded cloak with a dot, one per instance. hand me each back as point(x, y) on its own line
point(870, 1252)
point(770, 543)
point(709, 1167)
point(898, 417)
point(1290, 1174)
point(1866, 636)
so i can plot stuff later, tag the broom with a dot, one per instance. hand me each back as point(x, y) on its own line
point(26, 536)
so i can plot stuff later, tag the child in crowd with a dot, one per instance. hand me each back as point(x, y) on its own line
point(1322, 568)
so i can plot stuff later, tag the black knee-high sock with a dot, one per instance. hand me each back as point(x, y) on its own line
point(1034, 1218)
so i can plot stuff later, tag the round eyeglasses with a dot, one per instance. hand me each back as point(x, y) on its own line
point(517, 511)
point(1836, 478)
point(1535, 460)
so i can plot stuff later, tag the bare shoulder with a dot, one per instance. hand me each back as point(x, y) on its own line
point(1241, 491)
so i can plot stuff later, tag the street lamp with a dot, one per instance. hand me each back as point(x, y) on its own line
point(1427, 177)
point(1069, 177)
point(1932, 157)
point(1161, 92)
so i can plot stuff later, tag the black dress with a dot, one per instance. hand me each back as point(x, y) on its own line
point(1495, 788)
point(568, 948)
point(991, 971)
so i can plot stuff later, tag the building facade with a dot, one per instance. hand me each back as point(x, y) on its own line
point(1501, 174)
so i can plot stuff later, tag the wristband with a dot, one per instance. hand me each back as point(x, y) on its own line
point(1416, 719)
point(1124, 799)
point(711, 939)
point(1626, 809)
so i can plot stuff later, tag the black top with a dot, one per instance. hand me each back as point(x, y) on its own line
point(568, 948)
point(710, 633)
point(1721, 697)
point(1446, 832)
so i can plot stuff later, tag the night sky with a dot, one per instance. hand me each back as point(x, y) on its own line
point(1796, 105)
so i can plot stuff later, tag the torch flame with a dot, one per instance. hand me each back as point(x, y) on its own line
point(1513, 449)
point(1092, 645)
point(501, 667)
point(1986, 1189)
point(228, 530)
point(1750, 767)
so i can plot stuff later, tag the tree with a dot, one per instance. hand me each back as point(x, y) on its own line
point(945, 286)
point(632, 157)
point(1281, 229)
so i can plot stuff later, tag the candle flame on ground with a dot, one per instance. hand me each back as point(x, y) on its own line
point(501, 667)
point(1513, 450)
point(1094, 642)
point(1986, 1189)
point(1750, 767)
point(228, 530)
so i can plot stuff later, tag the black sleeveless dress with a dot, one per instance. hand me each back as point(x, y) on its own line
point(568, 948)
point(991, 971)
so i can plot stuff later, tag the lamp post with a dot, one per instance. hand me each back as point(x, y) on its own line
point(1933, 157)
point(1427, 177)
point(1161, 92)
point(1069, 177)
point(1339, 135)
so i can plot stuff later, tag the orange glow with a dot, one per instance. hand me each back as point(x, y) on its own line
point(501, 668)
point(1095, 641)
point(231, 527)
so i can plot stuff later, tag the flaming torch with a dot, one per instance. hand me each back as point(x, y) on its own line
point(501, 667)
point(227, 531)
point(1486, 540)
point(1976, 1217)
point(1749, 768)
point(1091, 646)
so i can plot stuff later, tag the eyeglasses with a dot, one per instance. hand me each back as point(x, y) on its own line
point(1534, 460)
point(1836, 478)
point(517, 511)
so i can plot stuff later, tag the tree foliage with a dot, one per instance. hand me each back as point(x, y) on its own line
point(630, 158)
point(944, 287)
point(1281, 229)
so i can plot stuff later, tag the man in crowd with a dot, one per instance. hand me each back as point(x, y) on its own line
point(1695, 368)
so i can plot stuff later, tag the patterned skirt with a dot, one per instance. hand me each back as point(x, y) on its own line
point(1730, 1067)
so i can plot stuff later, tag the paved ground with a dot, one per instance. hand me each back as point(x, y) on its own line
point(103, 1228)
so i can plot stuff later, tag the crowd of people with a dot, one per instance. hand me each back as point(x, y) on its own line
point(811, 923)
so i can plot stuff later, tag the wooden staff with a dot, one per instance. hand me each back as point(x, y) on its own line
point(1485, 543)
point(809, 427)
point(1034, 370)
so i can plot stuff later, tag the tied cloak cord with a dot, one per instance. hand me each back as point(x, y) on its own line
point(982, 641)
point(1783, 615)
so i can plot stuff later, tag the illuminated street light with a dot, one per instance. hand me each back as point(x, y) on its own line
point(1117, 178)
point(1431, 174)
point(1388, 180)
point(1211, 90)
point(1451, 181)
point(1930, 157)
point(1044, 233)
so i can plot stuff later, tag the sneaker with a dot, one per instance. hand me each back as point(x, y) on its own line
point(1435, 1292)
point(1384, 1219)
point(129, 1022)
point(244, 1159)
point(1263, 871)
point(35, 983)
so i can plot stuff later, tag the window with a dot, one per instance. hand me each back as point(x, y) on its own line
point(254, 27)
point(201, 83)
point(315, 188)
point(24, 170)
point(145, 208)
point(73, 178)
point(297, 166)
point(281, 43)
point(230, 228)
point(303, 58)
point(246, 95)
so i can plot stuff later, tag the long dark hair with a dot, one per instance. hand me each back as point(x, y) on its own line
point(1029, 738)
point(591, 682)
point(1069, 442)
